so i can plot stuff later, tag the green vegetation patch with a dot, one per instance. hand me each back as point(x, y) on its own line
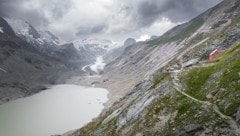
point(196, 80)
point(235, 21)
point(157, 79)
point(221, 80)
point(108, 129)
point(231, 76)
point(181, 35)
point(191, 112)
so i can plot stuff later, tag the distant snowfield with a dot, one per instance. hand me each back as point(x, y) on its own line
point(1, 30)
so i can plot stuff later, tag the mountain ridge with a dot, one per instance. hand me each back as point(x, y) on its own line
point(29, 66)
point(31, 59)
point(148, 95)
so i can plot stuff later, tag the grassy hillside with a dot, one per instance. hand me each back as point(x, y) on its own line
point(221, 81)
point(186, 32)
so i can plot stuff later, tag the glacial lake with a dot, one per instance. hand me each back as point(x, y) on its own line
point(53, 111)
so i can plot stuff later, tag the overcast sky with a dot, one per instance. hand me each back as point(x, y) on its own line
point(111, 19)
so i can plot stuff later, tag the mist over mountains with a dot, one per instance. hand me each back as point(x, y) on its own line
point(106, 19)
point(171, 67)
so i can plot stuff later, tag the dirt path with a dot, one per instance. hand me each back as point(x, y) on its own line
point(178, 86)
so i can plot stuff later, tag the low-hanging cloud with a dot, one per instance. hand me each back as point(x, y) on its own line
point(96, 29)
point(113, 19)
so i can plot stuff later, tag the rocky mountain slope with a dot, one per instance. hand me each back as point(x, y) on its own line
point(43, 40)
point(31, 60)
point(118, 51)
point(168, 86)
point(28, 66)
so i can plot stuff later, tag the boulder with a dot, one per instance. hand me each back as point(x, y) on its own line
point(190, 62)
point(188, 130)
point(209, 96)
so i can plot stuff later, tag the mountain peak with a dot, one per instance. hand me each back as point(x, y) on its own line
point(23, 28)
point(5, 28)
point(27, 32)
point(129, 41)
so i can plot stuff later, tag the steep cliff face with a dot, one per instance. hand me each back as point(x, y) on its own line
point(26, 69)
point(45, 41)
point(167, 86)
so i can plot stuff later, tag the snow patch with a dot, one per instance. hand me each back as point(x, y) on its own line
point(1, 30)
point(1, 69)
point(84, 68)
point(99, 65)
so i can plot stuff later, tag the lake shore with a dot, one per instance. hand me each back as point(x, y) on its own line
point(54, 111)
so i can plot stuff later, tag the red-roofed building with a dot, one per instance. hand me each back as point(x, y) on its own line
point(215, 54)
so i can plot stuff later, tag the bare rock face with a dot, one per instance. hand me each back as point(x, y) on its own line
point(26, 69)
point(189, 130)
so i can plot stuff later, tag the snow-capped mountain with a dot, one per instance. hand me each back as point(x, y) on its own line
point(41, 39)
point(25, 69)
point(23, 28)
point(94, 46)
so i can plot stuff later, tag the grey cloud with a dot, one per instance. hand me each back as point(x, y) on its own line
point(36, 18)
point(91, 30)
point(14, 9)
point(99, 28)
point(119, 19)
point(7, 7)
point(175, 10)
point(58, 8)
